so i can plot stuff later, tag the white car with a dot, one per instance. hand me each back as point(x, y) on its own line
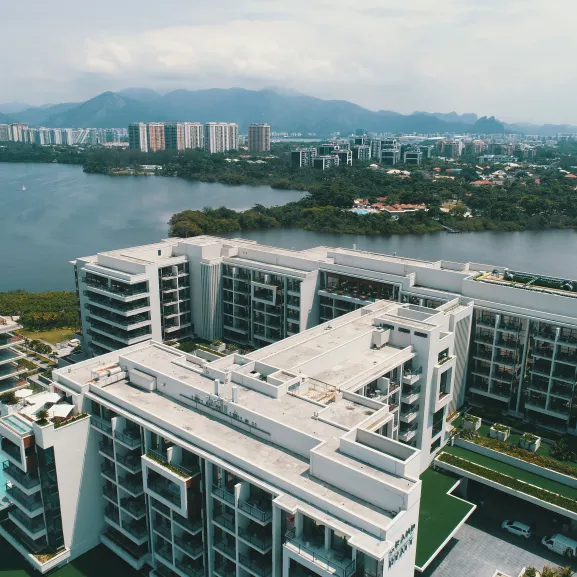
point(517, 528)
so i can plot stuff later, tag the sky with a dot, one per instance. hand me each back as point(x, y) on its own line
point(508, 58)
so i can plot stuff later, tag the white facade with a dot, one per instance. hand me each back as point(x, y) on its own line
point(138, 136)
point(517, 353)
point(193, 135)
point(220, 136)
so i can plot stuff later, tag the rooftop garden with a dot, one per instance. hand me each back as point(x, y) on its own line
point(558, 455)
point(511, 482)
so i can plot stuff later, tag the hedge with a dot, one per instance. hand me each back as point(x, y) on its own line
point(511, 482)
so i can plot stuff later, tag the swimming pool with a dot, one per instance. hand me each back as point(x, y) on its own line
point(360, 211)
point(17, 424)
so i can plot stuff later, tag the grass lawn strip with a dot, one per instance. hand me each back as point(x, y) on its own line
point(515, 472)
point(53, 337)
point(439, 514)
point(511, 482)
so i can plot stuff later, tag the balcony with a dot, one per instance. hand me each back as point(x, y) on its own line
point(111, 514)
point(33, 527)
point(506, 360)
point(116, 290)
point(226, 522)
point(513, 327)
point(410, 414)
point(411, 376)
point(106, 449)
point(137, 530)
point(164, 530)
point(225, 548)
point(260, 540)
point(260, 567)
point(486, 321)
point(336, 562)
point(188, 568)
point(545, 352)
point(133, 506)
point(132, 484)
point(133, 554)
point(101, 424)
point(223, 494)
point(22, 539)
point(108, 470)
point(484, 338)
point(562, 391)
point(193, 526)
point(129, 437)
point(130, 462)
point(565, 376)
point(193, 549)
point(164, 552)
point(410, 394)
point(405, 435)
point(222, 570)
point(258, 510)
point(28, 481)
point(183, 470)
point(31, 504)
point(166, 490)
point(110, 493)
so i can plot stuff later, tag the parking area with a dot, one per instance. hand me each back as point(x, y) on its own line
point(481, 546)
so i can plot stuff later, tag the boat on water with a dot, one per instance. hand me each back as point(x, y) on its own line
point(23, 188)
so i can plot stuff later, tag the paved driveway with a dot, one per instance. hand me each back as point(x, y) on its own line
point(474, 552)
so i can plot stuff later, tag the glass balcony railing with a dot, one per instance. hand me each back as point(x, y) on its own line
point(191, 525)
point(259, 511)
point(226, 521)
point(26, 480)
point(193, 548)
point(226, 548)
point(130, 437)
point(223, 494)
point(29, 502)
point(261, 540)
point(101, 424)
point(258, 566)
point(34, 525)
point(165, 490)
point(133, 505)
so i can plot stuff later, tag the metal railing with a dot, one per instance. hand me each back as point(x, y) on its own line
point(133, 505)
point(194, 549)
point(131, 485)
point(33, 525)
point(262, 515)
point(226, 521)
point(130, 462)
point(192, 525)
point(17, 497)
point(164, 530)
point(339, 568)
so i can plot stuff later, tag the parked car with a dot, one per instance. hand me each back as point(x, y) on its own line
point(517, 528)
point(561, 544)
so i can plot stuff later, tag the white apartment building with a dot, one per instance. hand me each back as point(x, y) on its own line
point(5, 133)
point(10, 371)
point(516, 352)
point(193, 135)
point(281, 462)
point(220, 136)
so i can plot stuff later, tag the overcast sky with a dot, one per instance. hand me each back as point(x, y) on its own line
point(510, 58)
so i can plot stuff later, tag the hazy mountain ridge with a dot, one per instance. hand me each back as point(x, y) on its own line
point(286, 111)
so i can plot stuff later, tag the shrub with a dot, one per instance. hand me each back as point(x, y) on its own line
point(468, 435)
point(471, 418)
point(42, 417)
point(8, 398)
point(530, 572)
point(530, 438)
point(512, 483)
point(562, 451)
point(501, 428)
point(520, 453)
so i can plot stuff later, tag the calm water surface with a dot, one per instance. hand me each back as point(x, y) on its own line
point(65, 213)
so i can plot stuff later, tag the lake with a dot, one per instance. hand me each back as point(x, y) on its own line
point(65, 213)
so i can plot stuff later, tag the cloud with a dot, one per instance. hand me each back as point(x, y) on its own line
point(501, 57)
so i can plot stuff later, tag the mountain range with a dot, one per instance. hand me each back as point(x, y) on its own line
point(284, 111)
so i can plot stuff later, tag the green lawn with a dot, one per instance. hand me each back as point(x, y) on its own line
point(99, 562)
point(513, 471)
point(53, 337)
point(439, 514)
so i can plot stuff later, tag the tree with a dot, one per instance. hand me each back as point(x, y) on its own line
point(42, 415)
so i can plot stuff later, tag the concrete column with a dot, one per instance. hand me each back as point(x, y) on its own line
point(285, 564)
point(298, 524)
point(327, 538)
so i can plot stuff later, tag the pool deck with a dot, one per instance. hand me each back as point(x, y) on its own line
point(440, 516)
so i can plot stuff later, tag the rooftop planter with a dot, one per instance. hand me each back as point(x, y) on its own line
point(498, 431)
point(530, 442)
point(471, 422)
point(218, 346)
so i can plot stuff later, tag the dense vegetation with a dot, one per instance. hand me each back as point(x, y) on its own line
point(41, 311)
point(538, 198)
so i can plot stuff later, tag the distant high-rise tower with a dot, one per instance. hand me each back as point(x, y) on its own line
point(137, 136)
point(174, 135)
point(193, 135)
point(155, 133)
point(220, 136)
point(259, 137)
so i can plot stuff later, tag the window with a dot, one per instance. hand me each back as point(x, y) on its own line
point(402, 330)
point(422, 335)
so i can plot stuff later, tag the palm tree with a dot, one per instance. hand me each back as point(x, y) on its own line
point(564, 572)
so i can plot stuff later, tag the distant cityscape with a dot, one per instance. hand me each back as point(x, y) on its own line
point(362, 146)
